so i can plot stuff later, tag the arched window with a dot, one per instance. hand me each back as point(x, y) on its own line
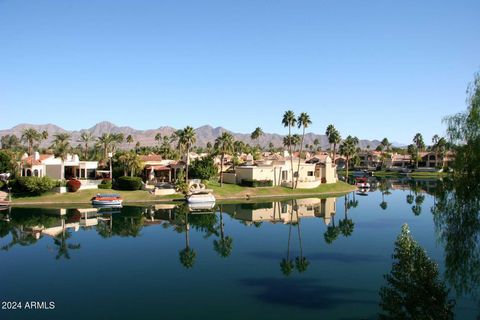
point(35, 173)
point(29, 173)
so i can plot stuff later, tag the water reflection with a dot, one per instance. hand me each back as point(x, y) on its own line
point(457, 222)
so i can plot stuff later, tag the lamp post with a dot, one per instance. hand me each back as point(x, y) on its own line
point(110, 155)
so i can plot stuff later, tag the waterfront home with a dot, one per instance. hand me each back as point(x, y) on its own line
point(47, 165)
point(325, 169)
point(280, 174)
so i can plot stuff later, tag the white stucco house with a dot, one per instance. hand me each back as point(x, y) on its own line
point(47, 165)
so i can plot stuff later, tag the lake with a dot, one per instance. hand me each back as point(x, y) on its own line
point(306, 258)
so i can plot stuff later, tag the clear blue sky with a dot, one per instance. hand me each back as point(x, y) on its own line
point(371, 68)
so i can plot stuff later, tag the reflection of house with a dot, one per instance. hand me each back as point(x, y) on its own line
point(280, 173)
point(47, 165)
point(288, 211)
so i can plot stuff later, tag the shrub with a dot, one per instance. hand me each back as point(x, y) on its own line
point(73, 185)
point(105, 184)
point(129, 183)
point(256, 183)
point(32, 185)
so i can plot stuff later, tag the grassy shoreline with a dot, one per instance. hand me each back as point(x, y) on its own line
point(227, 192)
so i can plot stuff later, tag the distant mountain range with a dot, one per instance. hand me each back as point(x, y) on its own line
point(204, 134)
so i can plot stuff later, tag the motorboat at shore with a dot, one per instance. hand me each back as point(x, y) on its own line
point(110, 200)
point(4, 203)
point(201, 196)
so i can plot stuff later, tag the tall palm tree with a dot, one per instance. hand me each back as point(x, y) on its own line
point(186, 139)
point(316, 143)
point(86, 138)
point(61, 143)
point(256, 134)
point(289, 120)
point(239, 147)
point(158, 137)
point(418, 141)
point(303, 122)
point(129, 140)
point(386, 147)
point(30, 136)
point(105, 141)
point(224, 144)
point(334, 138)
point(348, 149)
point(435, 140)
point(117, 138)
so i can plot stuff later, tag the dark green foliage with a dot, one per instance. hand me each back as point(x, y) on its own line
point(105, 184)
point(256, 183)
point(128, 183)
point(413, 289)
point(203, 169)
point(32, 185)
point(6, 163)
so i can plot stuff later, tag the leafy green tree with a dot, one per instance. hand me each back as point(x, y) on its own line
point(413, 288)
point(7, 161)
point(203, 168)
point(224, 144)
point(303, 122)
point(10, 141)
point(289, 120)
point(131, 161)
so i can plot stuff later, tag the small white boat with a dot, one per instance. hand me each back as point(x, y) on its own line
point(201, 196)
point(107, 200)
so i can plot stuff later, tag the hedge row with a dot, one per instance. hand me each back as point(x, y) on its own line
point(32, 185)
point(256, 183)
point(128, 183)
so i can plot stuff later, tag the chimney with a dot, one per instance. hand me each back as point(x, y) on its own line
point(36, 156)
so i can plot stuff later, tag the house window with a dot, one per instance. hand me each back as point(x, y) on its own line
point(310, 173)
point(284, 175)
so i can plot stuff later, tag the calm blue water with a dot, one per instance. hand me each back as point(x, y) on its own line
point(130, 265)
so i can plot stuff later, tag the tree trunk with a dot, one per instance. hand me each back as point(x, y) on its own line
point(186, 166)
point(346, 176)
point(291, 154)
point(334, 153)
point(221, 169)
point(300, 158)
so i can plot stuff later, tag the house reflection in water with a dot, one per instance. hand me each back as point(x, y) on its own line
point(287, 211)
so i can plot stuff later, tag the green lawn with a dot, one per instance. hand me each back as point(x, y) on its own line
point(236, 191)
point(227, 191)
point(84, 196)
